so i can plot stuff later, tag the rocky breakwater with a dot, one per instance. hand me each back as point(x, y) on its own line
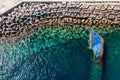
point(27, 15)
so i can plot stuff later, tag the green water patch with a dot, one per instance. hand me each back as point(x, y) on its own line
point(63, 61)
point(54, 53)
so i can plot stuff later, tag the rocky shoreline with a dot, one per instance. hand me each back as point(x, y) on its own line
point(28, 15)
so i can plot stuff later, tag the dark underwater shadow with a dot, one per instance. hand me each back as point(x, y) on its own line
point(111, 41)
point(104, 61)
point(64, 61)
point(80, 68)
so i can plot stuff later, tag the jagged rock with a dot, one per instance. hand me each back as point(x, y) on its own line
point(116, 7)
point(99, 17)
point(0, 30)
point(9, 29)
point(30, 13)
point(111, 17)
point(118, 17)
point(93, 16)
point(73, 14)
point(77, 15)
point(98, 7)
point(85, 16)
point(13, 32)
point(67, 14)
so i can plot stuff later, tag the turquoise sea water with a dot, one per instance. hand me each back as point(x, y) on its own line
point(59, 53)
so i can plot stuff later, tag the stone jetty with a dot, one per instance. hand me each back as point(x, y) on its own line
point(26, 15)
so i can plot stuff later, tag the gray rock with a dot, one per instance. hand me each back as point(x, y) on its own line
point(9, 29)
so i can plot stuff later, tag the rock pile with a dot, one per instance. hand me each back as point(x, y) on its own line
point(29, 13)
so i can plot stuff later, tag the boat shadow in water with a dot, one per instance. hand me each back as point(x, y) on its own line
point(111, 59)
point(104, 61)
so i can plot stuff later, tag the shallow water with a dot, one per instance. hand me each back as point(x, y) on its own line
point(59, 53)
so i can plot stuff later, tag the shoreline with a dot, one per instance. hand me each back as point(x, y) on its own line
point(22, 17)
